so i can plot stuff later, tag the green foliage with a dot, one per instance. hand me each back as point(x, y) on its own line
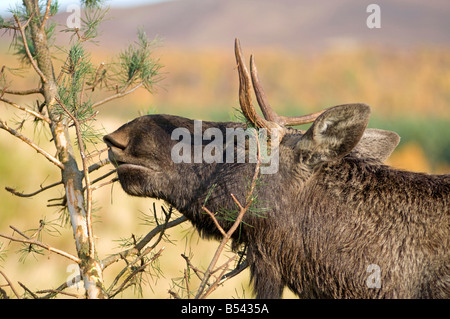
point(91, 21)
point(432, 134)
point(136, 64)
point(4, 24)
point(238, 116)
point(257, 207)
point(50, 228)
point(72, 91)
point(92, 3)
point(54, 8)
point(21, 13)
point(76, 70)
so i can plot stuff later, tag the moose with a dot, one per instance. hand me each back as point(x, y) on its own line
point(334, 221)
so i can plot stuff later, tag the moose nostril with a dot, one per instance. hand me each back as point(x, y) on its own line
point(111, 141)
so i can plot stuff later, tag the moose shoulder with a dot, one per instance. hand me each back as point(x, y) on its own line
point(330, 214)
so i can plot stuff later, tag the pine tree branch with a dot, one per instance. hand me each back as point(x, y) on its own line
point(93, 154)
point(141, 244)
point(216, 222)
point(24, 92)
point(13, 27)
point(98, 165)
point(197, 271)
point(53, 292)
point(46, 15)
point(115, 179)
point(225, 239)
point(120, 94)
point(28, 290)
point(242, 266)
point(10, 284)
point(14, 192)
point(102, 177)
point(134, 273)
point(174, 294)
point(27, 110)
point(40, 244)
point(27, 49)
point(214, 285)
point(13, 132)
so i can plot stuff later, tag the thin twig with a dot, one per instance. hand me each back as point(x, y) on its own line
point(28, 290)
point(227, 236)
point(136, 271)
point(115, 179)
point(27, 110)
point(174, 294)
point(13, 191)
point(120, 94)
point(13, 27)
point(40, 244)
point(27, 49)
point(98, 165)
point(215, 221)
point(197, 271)
point(140, 245)
point(97, 153)
point(24, 92)
point(235, 271)
point(19, 232)
point(10, 284)
point(219, 281)
point(186, 280)
point(86, 179)
point(219, 250)
point(99, 74)
point(100, 178)
point(144, 241)
point(46, 15)
point(224, 265)
point(55, 292)
point(53, 160)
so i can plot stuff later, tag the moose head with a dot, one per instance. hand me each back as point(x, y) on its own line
point(327, 212)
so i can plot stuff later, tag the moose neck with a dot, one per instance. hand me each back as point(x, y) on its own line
point(209, 186)
point(382, 192)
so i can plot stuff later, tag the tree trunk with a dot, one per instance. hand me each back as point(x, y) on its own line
point(72, 177)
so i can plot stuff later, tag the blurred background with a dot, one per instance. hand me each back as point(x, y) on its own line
point(310, 55)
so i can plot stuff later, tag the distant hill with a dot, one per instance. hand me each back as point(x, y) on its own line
point(288, 24)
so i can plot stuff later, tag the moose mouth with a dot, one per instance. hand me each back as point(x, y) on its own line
point(123, 166)
point(114, 158)
point(133, 177)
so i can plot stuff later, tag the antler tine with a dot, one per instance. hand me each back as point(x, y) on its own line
point(245, 98)
point(268, 112)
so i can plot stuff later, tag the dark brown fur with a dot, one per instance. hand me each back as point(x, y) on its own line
point(330, 211)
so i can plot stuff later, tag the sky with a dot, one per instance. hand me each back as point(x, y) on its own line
point(6, 4)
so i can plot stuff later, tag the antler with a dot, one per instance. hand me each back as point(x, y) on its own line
point(245, 99)
point(271, 118)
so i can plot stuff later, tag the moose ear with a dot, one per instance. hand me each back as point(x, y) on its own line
point(376, 144)
point(333, 134)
